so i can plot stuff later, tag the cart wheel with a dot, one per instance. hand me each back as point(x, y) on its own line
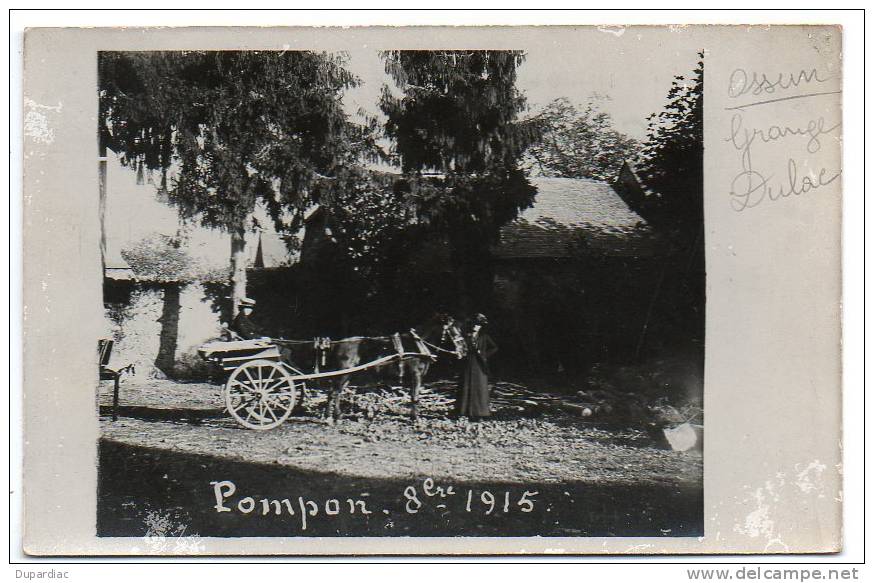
point(261, 394)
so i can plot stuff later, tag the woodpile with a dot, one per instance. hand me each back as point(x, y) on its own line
point(512, 400)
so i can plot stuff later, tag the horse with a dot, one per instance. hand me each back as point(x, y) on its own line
point(350, 352)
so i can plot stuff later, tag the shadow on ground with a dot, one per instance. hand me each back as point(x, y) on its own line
point(173, 414)
point(139, 486)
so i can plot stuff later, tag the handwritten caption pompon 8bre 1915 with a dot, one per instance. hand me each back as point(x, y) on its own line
point(427, 495)
point(784, 132)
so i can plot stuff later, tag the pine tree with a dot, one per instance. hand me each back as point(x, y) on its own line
point(673, 160)
point(673, 172)
point(458, 141)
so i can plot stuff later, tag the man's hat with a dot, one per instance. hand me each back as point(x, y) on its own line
point(247, 302)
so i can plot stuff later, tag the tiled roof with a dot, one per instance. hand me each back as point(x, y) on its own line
point(115, 267)
point(569, 214)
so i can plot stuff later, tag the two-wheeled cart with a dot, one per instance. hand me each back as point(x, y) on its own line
point(261, 390)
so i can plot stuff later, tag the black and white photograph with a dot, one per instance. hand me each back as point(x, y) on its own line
point(338, 293)
point(401, 293)
point(323, 287)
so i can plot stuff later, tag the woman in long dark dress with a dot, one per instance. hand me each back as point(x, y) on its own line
point(473, 393)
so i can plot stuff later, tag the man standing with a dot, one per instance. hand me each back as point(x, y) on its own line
point(473, 393)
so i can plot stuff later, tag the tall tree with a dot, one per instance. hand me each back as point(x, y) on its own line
point(578, 142)
point(673, 159)
point(230, 129)
point(457, 118)
point(673, 172)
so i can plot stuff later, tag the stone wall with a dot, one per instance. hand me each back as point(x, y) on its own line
point(147, 336)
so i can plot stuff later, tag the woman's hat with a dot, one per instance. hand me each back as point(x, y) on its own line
point(480, 319)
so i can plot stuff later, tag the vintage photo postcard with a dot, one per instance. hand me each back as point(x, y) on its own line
point(316, 291)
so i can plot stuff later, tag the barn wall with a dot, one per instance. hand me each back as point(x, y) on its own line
point(570, 315)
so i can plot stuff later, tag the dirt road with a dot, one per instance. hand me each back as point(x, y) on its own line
point(173, 457)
